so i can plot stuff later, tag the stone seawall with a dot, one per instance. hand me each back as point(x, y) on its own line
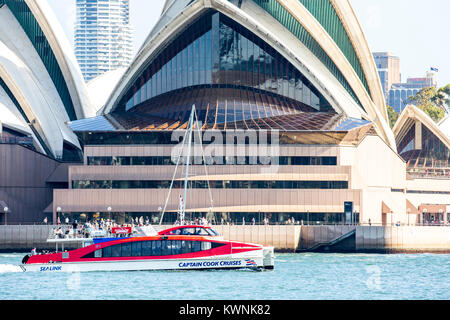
point(290, 238)
point(403, 239)
point(25, 238)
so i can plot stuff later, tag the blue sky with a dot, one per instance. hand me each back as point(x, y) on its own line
point(414, 30)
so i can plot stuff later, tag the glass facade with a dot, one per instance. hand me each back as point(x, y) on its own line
point(217, 218)
point(165, 184)
point(432, 160)
point(277, 11)
point(238, 75)
point(165, 161)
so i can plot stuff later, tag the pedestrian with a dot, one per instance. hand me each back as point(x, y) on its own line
point(67, 220)
point(45, 220)
point(75, 227)
point(59, 221)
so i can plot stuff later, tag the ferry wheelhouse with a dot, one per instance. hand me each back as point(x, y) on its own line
point(179, 248)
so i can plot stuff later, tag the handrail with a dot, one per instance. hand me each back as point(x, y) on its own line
point(332, 242)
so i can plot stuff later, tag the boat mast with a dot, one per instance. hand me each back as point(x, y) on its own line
point(188, 160)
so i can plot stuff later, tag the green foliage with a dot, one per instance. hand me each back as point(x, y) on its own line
point(432, 101)
point(393, 116)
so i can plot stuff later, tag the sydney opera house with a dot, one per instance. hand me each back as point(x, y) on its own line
point(298, 71)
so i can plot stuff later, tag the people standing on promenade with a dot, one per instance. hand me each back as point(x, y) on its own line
point(59, 221)
point(75, 227)
point(67, 220)
point(45, 220)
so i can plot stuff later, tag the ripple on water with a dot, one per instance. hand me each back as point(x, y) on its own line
point(296, 276)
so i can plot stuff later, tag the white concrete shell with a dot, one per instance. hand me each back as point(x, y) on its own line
point(101, 87)
point(444, 125)
point(65, 56)
point(177, 14)
point(10, 116)
point(412, 114)
point(28, 80)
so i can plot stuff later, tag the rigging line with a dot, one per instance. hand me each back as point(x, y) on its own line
point(173, 178)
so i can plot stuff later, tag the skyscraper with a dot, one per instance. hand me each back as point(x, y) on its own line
point(103, 36)
point(400, 93)
point(388, 67)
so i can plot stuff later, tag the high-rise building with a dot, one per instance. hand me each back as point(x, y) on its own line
point(400, 93)
point(388, 67)
point(103, 36)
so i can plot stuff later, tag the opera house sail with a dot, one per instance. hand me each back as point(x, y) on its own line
point(296, 74)
point(41, 87)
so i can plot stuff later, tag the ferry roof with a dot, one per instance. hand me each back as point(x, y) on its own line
point(183, 227)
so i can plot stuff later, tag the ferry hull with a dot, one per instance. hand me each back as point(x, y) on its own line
point(143, 265)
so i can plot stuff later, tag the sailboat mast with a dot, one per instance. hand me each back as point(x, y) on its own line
point(188, 160)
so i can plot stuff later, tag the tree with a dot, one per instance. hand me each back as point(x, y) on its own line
point(393, 116)
point(431, 101)
point(442, 98)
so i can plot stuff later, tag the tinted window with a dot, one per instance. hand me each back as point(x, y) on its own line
point(197, 246)
point(126, 249)
point(107, 252)
point(176, 247)
point(156, 247)
point(188, 231)
point(147, 248)
point(186, 246)
point(166, 248)
point(206, 246)
point(153, 248)
point(115, 251)
point(136, 248)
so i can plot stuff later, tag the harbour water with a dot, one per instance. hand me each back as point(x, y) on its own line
point(296, 277)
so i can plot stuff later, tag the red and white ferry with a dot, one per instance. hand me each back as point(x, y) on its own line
point(188, 247)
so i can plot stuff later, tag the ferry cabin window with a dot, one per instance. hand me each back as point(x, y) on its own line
point(154, 248)
point(146, 248)
point(188, 231)
point(206, 246)
point(98, 254)
point(136, 248)
point(175, 232)
point(212, 232)
point(201, 232)
point(126, 250)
